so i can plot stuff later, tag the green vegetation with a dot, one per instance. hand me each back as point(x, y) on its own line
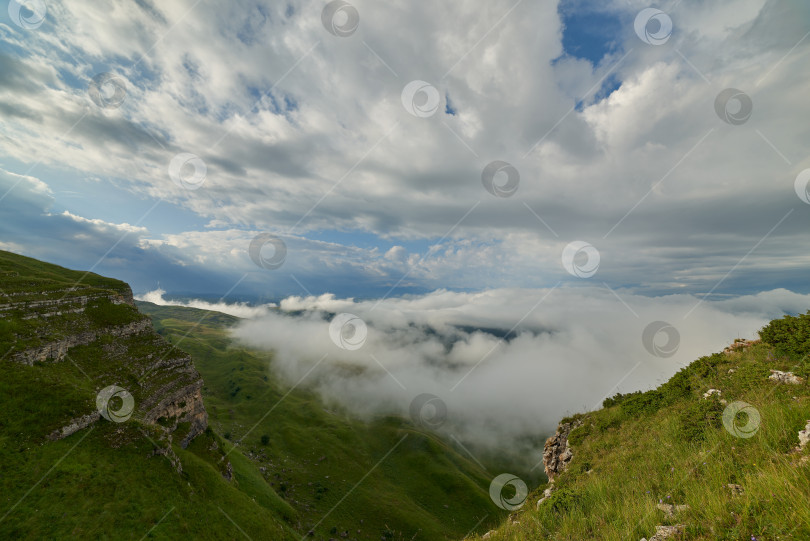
point(58, 303)
point(790, 336)
point(313, 456)
point(669, 445)
point(274, 463)
point(104, 313)
point(33, 279)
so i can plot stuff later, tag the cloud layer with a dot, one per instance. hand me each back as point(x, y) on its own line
point(508, 363)
point(242, 310)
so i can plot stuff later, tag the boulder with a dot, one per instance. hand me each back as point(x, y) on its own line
point(804, 436)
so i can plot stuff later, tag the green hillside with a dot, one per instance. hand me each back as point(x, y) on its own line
point(275, 463)
point(315, 457)
point(741, 475)
point(301, 472)
point(104, 481)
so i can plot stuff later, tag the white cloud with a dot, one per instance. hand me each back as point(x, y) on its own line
point(242, 310)
point(570, 348)
point(102, 225)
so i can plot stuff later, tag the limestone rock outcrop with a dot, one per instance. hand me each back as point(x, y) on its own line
point(557, 451)
point(739, 345)
point(786, 377)
point(57, 349)
point(662, 533)
point(670, 509)
point(101, 332)
point(804, 437)
point(75, 425)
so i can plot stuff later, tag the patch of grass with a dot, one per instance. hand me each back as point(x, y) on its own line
point(104, 313)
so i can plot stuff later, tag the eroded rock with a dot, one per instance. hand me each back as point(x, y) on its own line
point(57, 350)
point(670, 509)
point(804, 436)
point(785, 377)
point(164, 382)
point(557, 452)
point(74, 426)
point(712, 392)
point(739, 345)
point(662, 533)
point(546, 493)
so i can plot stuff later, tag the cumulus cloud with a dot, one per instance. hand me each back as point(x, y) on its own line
point(508, 363)
point(106, 226)
point(304, 132)
point(29, 224)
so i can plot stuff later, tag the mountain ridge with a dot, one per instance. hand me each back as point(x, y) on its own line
point(108, 429)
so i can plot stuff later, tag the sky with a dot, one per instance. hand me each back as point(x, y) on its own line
point(638, 161)
point(155, 142)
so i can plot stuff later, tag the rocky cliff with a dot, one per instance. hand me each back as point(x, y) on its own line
point(52, 315)
point(557, 451)
point(557, 454)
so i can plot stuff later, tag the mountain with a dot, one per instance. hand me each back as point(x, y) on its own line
point(719, 452)
point(124, 419)
point(125, 423)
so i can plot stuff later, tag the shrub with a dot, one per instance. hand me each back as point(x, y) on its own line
point(789, 335)
point(705, 366)
point(608, 419)
point(616, 399)
point(265, 439)
point(679, 386)
point(698, 417)
point(642, 403)
point(572, 418)
point(564, 500)
point(578, 435)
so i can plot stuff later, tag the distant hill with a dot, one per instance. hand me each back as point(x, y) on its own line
point(116, 424)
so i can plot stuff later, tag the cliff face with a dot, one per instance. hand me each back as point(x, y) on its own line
point(58, 349)
point(47, 318)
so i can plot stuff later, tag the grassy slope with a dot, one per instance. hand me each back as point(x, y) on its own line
point(104, 482)
point(24, 274)
point(26, 279)
point(316, 458)
point(670, 445)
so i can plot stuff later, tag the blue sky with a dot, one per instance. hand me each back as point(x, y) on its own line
point(590, 33)
point(310, 136)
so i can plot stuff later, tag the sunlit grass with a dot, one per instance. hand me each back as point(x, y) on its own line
point(676, 450)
